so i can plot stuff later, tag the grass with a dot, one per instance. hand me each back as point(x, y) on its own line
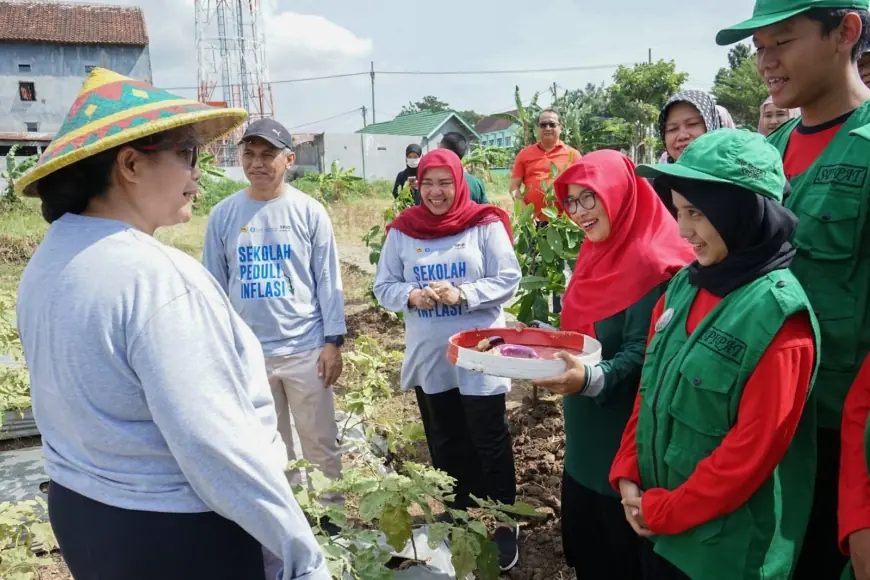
point(22, 227)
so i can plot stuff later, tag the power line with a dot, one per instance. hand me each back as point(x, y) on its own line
point(506, 71)
point(340, 115)
point(430, 73)
point(288, 81)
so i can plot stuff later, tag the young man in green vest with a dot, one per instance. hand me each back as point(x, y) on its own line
point(807, 53)
point(716, 464)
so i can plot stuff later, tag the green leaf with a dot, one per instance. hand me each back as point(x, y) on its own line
point(464, 549)
point(436, 534)
point(478, 528)
point(551, 213)
point(533, 282)
point(372, 505)
point(487, 561)
point(396, 523)
point(319, 482)
point(554, 238)
point(541, 308)
point(520, 509)
point(546, 251)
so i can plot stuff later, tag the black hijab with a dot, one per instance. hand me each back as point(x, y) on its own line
point(756, 230)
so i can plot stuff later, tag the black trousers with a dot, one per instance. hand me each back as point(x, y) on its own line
point(101, 542)
point(820, 556)
point(657, 568)
point(597, 541)
point(468, 438)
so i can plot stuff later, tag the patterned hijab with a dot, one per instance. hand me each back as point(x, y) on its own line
point(700, 100)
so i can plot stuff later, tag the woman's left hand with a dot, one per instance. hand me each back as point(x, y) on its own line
point(447, 293)
point(568, 383)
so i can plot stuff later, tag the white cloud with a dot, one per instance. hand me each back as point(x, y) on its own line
point(309, 42)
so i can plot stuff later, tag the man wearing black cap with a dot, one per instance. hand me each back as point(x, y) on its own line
point(271, 247)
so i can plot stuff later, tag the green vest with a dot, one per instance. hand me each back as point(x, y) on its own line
point(833, 253)
point(691, 388)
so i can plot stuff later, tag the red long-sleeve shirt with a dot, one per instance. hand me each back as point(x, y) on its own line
point(853, 509)
point(767, 417)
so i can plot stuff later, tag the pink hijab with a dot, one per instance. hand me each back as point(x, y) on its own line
point(725, 117)
point(792, 113)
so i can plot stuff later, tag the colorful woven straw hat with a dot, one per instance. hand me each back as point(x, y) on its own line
point(111, 110)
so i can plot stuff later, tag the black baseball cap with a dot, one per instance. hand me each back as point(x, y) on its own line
point(271, 131)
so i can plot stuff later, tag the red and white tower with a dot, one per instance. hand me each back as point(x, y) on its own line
point(232, 70)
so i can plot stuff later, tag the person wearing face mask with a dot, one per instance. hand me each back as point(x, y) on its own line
point(717, 462)
point(449, 265)
point(408, 175)
point(772, 116)
point(686, 116)
point(631, 250)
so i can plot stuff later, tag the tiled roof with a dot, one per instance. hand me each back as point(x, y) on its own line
point(416, 124)
point(490, 124)
point(72, 23)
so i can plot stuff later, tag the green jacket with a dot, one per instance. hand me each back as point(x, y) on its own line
point(691, 388)
point(476, 189)
point(833, 253)
point(602, 418)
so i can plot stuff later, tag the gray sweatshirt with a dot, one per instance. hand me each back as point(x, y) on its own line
point(149, 391)
point(482, 262)
point(278, 262)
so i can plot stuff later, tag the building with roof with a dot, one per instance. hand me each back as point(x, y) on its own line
point(46, 51)
point(497, 131)
point(427, 127)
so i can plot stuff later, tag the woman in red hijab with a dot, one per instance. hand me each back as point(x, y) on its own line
point(449, 265)
point(632, 248)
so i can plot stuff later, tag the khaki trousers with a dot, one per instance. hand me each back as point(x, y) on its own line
point(299, 391)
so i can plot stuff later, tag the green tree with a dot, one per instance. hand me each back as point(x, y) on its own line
point(587, 121)
point(471, 117)
point(740, 88)
point(429, 103)
point(637, 95)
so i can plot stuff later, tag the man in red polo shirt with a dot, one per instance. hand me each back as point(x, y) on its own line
point(533, 163)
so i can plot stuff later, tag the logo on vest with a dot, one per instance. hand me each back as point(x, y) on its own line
point(849, 175)
point(664, 319)
point(724, 344)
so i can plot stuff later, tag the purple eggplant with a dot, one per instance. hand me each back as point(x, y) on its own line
point(516, 351)
point(487, 344)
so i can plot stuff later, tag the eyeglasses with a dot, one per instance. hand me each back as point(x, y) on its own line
point(548, 125)
point(586, 201)
point(186, 151)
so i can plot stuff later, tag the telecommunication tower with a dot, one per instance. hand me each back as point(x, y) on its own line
point(231, 64)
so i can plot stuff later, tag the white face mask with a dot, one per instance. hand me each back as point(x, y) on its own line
point(413, 163)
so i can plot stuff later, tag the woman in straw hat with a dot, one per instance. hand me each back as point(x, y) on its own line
point(157, 421)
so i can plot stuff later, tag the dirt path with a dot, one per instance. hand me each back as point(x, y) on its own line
point(356, 255)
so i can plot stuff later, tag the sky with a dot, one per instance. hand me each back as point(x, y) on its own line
point(311, 38)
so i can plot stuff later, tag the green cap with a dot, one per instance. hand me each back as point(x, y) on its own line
point(767, 12)
point(736, 156)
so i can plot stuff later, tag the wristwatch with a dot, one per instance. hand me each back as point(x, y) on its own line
point(337, 340)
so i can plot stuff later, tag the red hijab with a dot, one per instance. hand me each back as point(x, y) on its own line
point(643, 250)
point(420, 223)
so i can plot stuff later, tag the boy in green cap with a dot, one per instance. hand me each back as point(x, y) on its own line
point(716, 464)
point(807, 53)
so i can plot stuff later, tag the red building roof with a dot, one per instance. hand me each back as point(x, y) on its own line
point(72, 23)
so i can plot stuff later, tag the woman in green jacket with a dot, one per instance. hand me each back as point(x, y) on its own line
point(717, 462)
point(631, 249)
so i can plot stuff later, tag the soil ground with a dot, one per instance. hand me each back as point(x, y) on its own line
point(538, 435)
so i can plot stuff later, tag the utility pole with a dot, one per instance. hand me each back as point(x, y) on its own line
point(555, 91)
point(649, 57)
point(363, 109)
point(374, 117)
